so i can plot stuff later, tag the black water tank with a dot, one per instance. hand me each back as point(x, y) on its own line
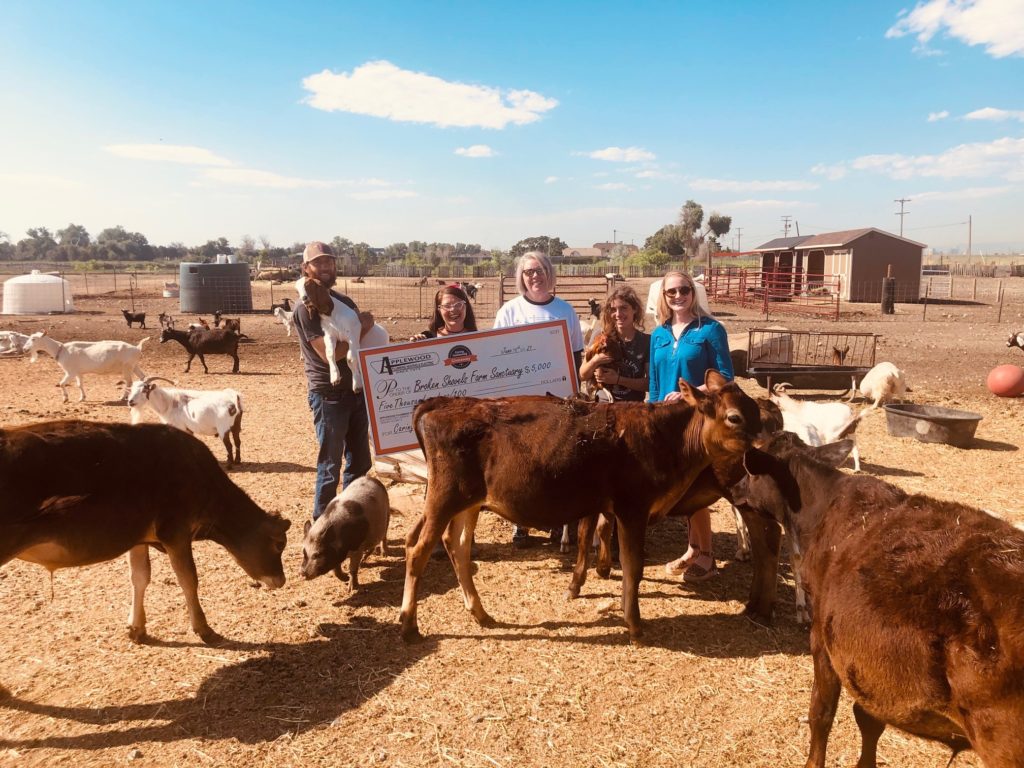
point(208, 287)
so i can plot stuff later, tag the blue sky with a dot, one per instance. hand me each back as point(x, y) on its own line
point(470, 122)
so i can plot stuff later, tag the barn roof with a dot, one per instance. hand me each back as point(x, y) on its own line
point(783, 243)
point(828, 240)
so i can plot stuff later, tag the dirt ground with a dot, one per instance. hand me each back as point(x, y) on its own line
point(313, 676)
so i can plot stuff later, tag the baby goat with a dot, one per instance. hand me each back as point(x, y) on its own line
point(287, 318)
point(134, 317)
point(883, 383)
point(339, 322)
point(214, 412)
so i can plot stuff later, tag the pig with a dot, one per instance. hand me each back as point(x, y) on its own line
point(354, 523)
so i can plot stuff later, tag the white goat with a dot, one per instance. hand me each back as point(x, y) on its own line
point(200, 412)
point(342, 324)
point(883, 383)
point(818, 423)
point(80, 357)
point(12, 342)
point(286, 318)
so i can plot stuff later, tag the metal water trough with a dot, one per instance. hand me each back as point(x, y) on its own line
point(932, 424)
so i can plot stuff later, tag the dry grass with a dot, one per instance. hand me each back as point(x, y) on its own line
point(311, 676)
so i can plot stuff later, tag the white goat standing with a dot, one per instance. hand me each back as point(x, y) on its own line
point(818, 423)
point(342, 324)
point(80, 357)
point(200, 412)
point(883, 383)
point(286, 318)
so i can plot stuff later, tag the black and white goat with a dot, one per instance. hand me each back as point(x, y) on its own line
point(200, 412)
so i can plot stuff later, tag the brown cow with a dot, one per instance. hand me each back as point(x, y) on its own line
point(77, 493)
point(543, 462)
point(758, 536)
point(917, 605)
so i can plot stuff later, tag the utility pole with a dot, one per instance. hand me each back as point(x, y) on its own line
point(614, 233)
point(785, 225)
point(739, 239)
point(969, 232)
point(902, 213)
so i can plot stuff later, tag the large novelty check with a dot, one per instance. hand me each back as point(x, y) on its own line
point(527, 360)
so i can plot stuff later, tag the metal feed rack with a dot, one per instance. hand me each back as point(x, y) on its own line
point(807, 360)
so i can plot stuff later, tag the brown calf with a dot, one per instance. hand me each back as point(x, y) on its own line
point(542, 462)
point(78, 493)
point(917, 605)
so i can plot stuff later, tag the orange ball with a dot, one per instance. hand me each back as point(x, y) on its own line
point(1006, 380)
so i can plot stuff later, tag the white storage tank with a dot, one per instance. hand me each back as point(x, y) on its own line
point(37, 294)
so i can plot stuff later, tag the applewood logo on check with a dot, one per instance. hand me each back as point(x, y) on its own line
point(390, 364)
point(460, 357)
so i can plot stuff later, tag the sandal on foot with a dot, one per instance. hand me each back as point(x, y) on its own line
point(698, 573)
point(677, 567)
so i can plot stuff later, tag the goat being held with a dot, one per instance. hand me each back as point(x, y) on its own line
point(339, 322)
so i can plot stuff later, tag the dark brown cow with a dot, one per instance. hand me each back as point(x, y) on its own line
point(543, 462)
point(759, 536)
point(917, 605)
point(77, 493)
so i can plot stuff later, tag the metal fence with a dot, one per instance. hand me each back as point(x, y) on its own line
point(775, 292)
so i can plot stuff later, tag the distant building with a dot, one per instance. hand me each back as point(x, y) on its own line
point(607, 248)
point(581, 255)
point(860, 259)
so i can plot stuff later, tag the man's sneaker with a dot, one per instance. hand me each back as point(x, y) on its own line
point(521, 539)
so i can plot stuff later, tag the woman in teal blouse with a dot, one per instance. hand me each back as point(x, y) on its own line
point(685, 345)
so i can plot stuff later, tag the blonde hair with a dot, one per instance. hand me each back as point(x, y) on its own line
point(664, 311)
point(545, 262)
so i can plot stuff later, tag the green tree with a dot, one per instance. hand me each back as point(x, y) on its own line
point(668, 240)
point(116, 234)
point(693, 230)
point(73, 234)
point(552, 246)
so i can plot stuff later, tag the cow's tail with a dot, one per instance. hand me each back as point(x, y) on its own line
point(422, 410)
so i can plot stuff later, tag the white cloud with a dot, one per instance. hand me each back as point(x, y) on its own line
point(970, 193)
point(1002, 157)
point(250, 177)
point(381, 89)
point(726, 185)
point(654, 174)
point(167, 153)
point(761, 204)
point(550, 179)
point(476, 150)
point(611, 186)
point(998, 115)
point(832, 172)
point(619, 154)
point(384, 194)
point(39, 181)
point(934, 117)
point(996, 24)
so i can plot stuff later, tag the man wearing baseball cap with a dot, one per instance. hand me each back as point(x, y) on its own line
point(339, 414)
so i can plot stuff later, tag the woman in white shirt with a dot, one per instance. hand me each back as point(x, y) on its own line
point(537, 303)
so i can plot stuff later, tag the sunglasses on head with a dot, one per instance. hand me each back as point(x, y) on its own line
point(538, 272)
point(682, 291)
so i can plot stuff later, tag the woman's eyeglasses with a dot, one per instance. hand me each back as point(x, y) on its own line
point(453, 307)
point(682, 291)
point(533, 272)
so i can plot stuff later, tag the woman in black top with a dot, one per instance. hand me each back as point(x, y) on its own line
point(452, 314)
point(622, 321)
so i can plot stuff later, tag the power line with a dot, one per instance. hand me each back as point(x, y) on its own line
point(902, 213)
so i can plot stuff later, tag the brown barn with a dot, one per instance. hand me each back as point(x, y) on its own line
point(858, 257)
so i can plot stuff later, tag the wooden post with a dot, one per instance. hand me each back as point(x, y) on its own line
point(999, 317)
point(271, 293)
point(974, 290)
point(420, 311)
point(924, 310)
point(86, 276)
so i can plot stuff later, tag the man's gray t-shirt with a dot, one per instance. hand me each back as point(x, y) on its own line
point(318, 373)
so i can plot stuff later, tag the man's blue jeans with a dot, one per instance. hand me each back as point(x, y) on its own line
point(341, 429)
